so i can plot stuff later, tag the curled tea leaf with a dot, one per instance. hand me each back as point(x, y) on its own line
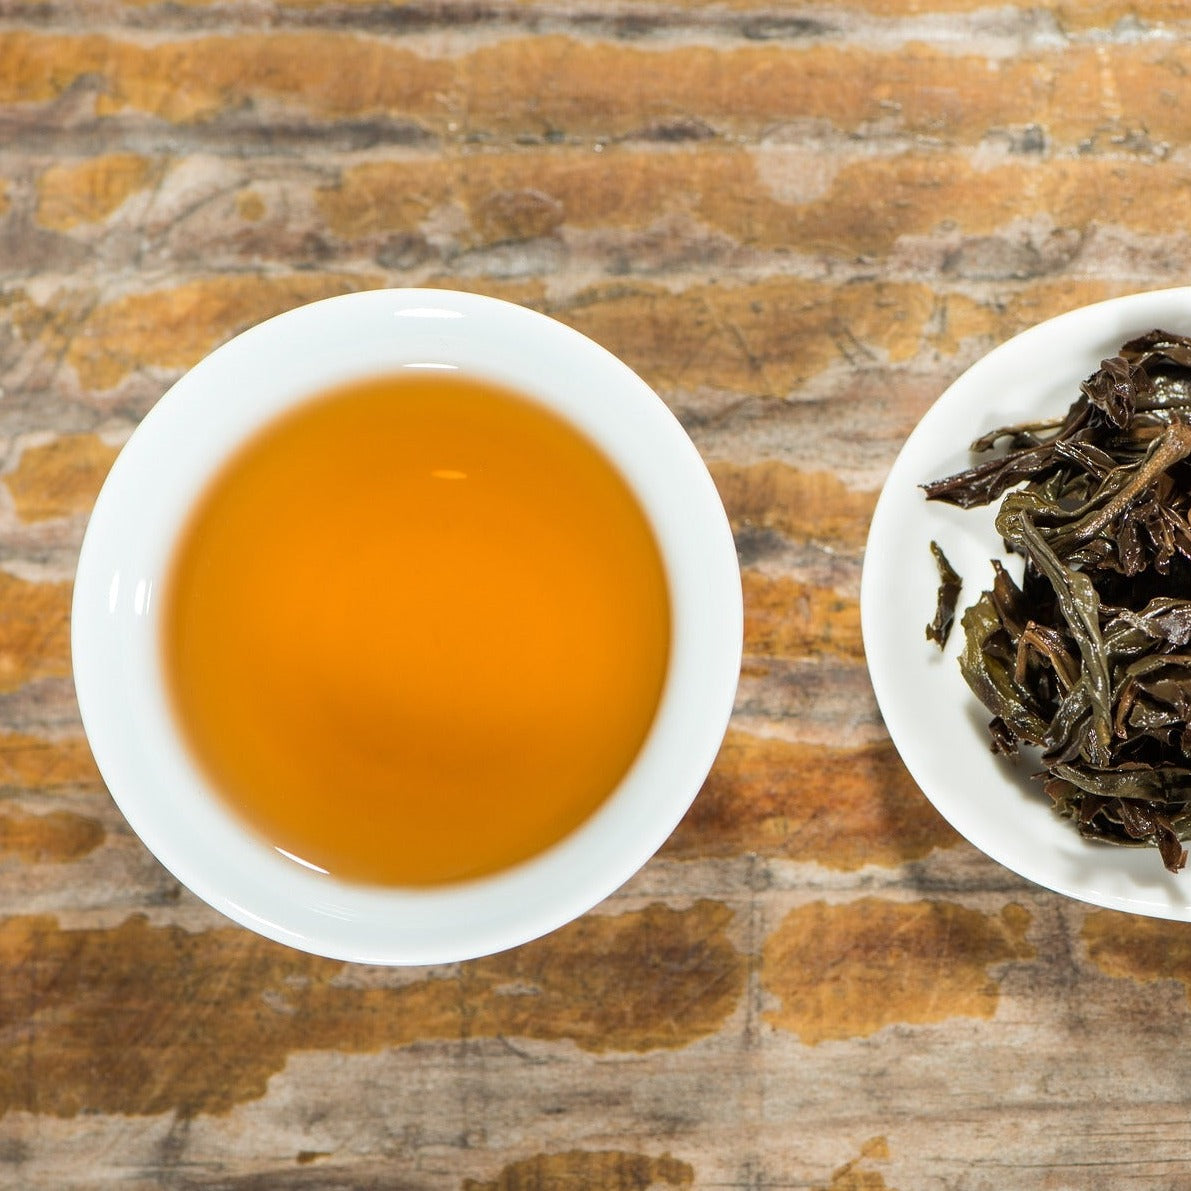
point(1116, 387)
point(950, 585)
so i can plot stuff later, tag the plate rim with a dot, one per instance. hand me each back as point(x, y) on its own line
point(1082, 322)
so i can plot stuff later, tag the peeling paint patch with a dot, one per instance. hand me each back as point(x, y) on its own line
point(849, 970)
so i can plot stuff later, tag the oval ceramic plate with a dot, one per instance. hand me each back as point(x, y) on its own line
point(937, 725)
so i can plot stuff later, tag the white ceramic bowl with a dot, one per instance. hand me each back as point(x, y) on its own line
point(938, 726)
point(168, 462)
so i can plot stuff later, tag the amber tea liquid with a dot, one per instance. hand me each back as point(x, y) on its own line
point(416, 630)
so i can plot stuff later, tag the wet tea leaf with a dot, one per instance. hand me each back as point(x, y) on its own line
point(1083, 661)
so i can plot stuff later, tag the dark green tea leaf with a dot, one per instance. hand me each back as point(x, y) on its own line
point(1084, 659)
point(950, 586)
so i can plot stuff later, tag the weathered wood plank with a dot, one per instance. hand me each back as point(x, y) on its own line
point(798, 223)
point(561, 86)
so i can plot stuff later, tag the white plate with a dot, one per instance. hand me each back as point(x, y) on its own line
point(937, 725)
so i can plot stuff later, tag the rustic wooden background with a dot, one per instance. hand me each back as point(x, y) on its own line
point(798, 221)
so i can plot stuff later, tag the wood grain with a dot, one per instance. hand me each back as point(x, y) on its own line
point(799, 223)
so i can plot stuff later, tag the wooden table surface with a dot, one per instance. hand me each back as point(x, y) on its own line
point(799, 222)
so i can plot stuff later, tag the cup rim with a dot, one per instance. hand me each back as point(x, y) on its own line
point(174, 453)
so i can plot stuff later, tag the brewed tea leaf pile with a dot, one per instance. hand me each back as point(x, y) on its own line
point(1088, 659)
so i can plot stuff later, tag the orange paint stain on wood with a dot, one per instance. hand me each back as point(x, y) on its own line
point(1143, 950)
point(849, 970)
point(789, 619)
point(140, 1019)
point(601, 88)
point(964, 320)
point(840, 808)
point(174, 327)
point(867, 206)
point(805, 506)
point(572, 1170)
point(606, 88)
point(856, 1175)
point(331, 74)
point(34, 631)
point(762, 338)
point(45, 321)
point(509, 197)
point(1085, 14)
point(90, 190)
point(873, 203)
point(54, 838)
point(37, 763)
point(60, 478)
point(250, 206)
point(387, 196)
point(1103, 14)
